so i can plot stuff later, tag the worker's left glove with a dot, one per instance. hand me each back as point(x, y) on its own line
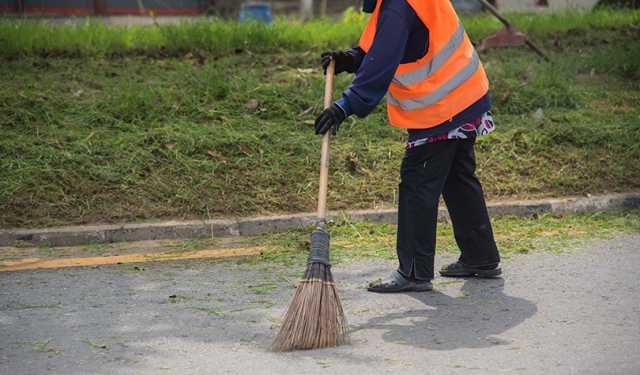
point(330, 118)
point(345, 61)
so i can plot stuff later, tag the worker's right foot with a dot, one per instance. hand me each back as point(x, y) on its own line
point(397, 283)
point(458, 269)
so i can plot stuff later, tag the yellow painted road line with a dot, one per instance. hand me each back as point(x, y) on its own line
point(35, 263)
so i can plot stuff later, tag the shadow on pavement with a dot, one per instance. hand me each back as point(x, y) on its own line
point(470, 320)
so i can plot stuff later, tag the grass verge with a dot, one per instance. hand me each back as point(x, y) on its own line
point(92, 137)
point(356, 241)
point(91, 37)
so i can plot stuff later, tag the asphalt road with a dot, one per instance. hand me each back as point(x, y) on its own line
point(571, 313)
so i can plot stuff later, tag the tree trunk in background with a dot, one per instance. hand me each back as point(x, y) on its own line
point(323, 8)
point(306, 9)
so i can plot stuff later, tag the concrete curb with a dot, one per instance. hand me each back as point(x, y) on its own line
point(94, 234)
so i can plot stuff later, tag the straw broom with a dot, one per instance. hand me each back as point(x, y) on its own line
point(315, 318)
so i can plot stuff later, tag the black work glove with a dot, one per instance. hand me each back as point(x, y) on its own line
point(345, 62)
point(330, 118)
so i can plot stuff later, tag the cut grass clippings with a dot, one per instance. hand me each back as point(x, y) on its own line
point(106, 130)
point(350, 241)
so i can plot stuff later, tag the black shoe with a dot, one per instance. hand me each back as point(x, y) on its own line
point(458, 269)
point(397, 283)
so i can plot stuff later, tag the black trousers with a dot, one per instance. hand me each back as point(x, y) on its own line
point(427, 171)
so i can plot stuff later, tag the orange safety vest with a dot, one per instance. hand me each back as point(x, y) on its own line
point(441, 84)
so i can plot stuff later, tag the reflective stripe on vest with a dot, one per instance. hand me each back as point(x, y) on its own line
point(461, 77)
point(436, 62)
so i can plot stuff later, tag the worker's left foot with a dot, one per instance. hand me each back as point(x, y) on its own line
point(458, 269)
point(397, 283)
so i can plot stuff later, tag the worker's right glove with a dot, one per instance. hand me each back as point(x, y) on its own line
point(345, 61)
point(329, 119)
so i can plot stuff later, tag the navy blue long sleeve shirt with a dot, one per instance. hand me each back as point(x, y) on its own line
point(401, 38)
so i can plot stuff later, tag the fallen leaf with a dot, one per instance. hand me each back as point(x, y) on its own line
point(252, 104)
point(242, 148)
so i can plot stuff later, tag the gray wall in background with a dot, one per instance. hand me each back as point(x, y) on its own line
point(230, 8)
point(8, 5)
point(467, 6)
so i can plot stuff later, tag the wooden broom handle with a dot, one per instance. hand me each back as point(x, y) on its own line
point(324, 157)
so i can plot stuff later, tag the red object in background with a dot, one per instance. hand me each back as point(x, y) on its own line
point(508, 36)
point(505, 37)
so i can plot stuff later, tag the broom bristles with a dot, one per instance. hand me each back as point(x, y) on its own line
point(315, 318)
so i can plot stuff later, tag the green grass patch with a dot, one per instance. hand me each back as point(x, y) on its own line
point(98, 136)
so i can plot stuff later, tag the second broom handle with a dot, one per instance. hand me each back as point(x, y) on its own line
point(324, 157)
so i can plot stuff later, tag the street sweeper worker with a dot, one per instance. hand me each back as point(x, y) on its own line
point(418, 54)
